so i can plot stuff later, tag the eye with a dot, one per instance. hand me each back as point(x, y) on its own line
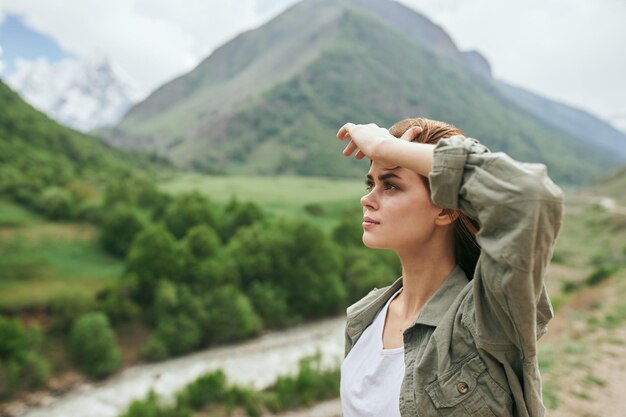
point(390, 186)
point(369, 186)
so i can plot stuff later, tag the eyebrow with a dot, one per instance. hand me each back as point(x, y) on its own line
point(384, 176)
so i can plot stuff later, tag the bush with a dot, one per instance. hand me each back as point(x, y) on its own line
point(187, 211)
point(21, 364)
point(179, 333)
point(310, 385)
point(57, 204)
point(237, 215)
point(154, 255)
point(296, 257)
point(150, 407)
point(315, 209)
point(600, 274)
point(202, 241)
point(349, 231)
point(119, 228)
point(154, 350)
point(211, 273)
point(94, 346)
point(365, 269)
point(204, 390)
point(66, 307)
point(230, 315)
point(271, 304)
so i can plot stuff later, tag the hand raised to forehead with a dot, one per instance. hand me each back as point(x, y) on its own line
point(366, 139)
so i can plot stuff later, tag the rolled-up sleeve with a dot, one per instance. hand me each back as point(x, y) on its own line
point(519, 209)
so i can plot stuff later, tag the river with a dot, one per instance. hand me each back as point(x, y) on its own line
point(254, 363)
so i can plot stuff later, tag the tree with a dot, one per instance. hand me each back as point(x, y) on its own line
point(57, 204)
point(187, 211)
point(94, 345)
point(21, 364)
point(154, 255)
point(230, 315)
point(237, 215)
point(119, 228)
point(295, 257)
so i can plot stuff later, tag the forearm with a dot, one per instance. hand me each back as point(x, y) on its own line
point(417, 157)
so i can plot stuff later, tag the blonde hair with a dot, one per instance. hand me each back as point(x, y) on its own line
point(466, 247)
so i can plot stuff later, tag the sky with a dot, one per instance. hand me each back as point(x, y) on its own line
point(568, 50)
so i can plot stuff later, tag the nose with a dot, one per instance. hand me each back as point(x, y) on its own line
point(369, 200)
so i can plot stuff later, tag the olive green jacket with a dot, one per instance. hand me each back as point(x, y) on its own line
point(472, 351)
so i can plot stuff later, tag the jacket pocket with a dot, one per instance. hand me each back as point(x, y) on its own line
point(457, 393)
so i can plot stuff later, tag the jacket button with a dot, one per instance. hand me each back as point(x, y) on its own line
point(462, 387)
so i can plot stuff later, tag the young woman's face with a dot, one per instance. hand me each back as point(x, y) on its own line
point(397, 211)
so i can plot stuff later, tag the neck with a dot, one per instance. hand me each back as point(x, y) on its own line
point(423, 273)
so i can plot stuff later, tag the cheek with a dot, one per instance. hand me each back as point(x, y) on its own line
point(414, 217)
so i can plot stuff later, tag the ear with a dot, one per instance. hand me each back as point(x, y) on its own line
point(446, 216)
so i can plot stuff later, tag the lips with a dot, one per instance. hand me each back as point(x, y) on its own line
point(367, 219)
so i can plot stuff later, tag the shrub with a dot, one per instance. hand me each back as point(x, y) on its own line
point(271, 304)
point(66, 307)
point(94, 346)
point(154, 349)
point(600, 274)
point(187, 211)
point(119, 228)
point(154, 255)
point(21, 364)
point(230, 315)
point(179, 333)
point(205, 390)
point(202, 241)
point(150, 407)
point(213, 272)
point(310, 385)
point(237, 215)
point(57, 204)
point(315, 209)
point(349, 231)
point(296, 257)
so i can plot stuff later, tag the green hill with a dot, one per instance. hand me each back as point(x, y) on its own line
point(36, 152)
point(270, 101)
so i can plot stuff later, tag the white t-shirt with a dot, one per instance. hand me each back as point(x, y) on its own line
point(370, 375)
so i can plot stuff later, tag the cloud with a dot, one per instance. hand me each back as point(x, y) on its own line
point(152, 41)
point(564, 49)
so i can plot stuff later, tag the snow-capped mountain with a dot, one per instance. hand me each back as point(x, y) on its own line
point(80, 94)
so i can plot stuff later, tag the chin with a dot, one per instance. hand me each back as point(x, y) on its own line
point(374, 243)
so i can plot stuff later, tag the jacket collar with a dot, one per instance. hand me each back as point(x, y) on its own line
point(442, 299)
point(362, 313)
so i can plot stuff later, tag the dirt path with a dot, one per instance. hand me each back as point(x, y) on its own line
point(596, 388)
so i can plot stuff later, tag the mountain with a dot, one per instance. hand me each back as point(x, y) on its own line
point(619, 121)
point(271, 100)
point(577, 123)
point(36, 152)
point(80, 94)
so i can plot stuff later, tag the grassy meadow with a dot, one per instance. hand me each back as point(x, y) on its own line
point(43, 262)
point(320, 200)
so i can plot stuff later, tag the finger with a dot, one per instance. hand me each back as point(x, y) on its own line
point(359, 155)
point(344, 132)
point(411, 133)
point(350, 148)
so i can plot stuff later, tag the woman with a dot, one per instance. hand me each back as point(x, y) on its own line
point(456, 334)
